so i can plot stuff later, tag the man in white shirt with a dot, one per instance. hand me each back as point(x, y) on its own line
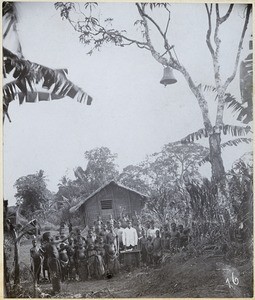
point(130, 238)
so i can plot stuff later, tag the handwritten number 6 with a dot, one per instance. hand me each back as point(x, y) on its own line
point(235, 280)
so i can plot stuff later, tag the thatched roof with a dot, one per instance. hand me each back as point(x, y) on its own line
point(83, 201)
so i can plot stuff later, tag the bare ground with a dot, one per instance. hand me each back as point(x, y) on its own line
point(203, 276)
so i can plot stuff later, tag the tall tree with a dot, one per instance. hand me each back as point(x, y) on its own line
point(32, 193)
point(101, 167)
point(68, 189)
point(95, 33)
point(162, 177)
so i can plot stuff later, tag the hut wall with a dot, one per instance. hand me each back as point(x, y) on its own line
point(121, 201)
point(91, 210)
point(112, 200)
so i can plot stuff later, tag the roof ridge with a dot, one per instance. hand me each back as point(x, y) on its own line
point(76, 207)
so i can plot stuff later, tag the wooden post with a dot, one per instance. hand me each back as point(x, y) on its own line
point(35, 274)
point(16, 259)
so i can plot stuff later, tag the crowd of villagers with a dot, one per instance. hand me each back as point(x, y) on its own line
point(98, 253)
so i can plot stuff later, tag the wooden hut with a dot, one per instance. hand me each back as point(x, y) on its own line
point(112, 199)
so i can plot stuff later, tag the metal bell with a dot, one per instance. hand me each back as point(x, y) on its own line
point(168, 77)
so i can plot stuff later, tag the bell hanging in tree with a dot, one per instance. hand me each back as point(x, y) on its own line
point(168, 76)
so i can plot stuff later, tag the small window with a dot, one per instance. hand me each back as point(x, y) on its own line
point(106, 204)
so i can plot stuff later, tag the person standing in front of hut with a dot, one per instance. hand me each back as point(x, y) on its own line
point(142, 247)
point(152, 230)
point(81, 261)
point(64, 261)
point(104, 232)
point(112, 237)
point(166, 237)
point(157, 249)
point(149, 251)
point(98, 229)
point(130, 242)
point(112, 251)
point(174, 238)
point(71, 253)
point(119, 231)
point(130, 238)
point(52, 254)
point(36, 260)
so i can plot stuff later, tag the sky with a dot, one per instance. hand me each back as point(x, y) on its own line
point(132, 113)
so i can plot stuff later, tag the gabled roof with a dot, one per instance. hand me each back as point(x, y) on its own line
point(112, 182)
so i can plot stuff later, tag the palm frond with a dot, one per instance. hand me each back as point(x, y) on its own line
point(244, 113)
point(8, 8)
point(10, 90)
point(236, 142)
point(195, 136)
point(28, 74)
point(246, 79)
point(208, 87)
point(204, 160)
point(236, 130)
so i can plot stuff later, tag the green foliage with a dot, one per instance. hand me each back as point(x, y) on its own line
point(195, 136)
point(68, 189)
point(94, 33)
point(9, 8)
point(133, 177)
point(240, 184)
point(213, 227)
point(26, 77)
point(161, 176)
point(27, 73)
point(65, 8)
point(32, 193)
point(244, 112)
point(236, 142)
point(225, 129)
point(235, 130)
point(203, 200)
point(101, 167)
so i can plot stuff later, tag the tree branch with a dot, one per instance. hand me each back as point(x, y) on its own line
point(221, 102)
point(154, 53)
point(168, 21)
point(239, 48)
point(98, 30)
point(224, 18)
point(209, 31)
point(176, 65)
point(200, 98)
point(216, 52)
point(144, 15)
point(216, 38)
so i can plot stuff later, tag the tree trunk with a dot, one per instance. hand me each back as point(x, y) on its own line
point(16, 261)
point(218, 172)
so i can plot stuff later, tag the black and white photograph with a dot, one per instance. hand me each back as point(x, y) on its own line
point(127, 148)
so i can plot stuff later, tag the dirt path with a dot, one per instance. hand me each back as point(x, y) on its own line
point(115, 287)
point(196, 277)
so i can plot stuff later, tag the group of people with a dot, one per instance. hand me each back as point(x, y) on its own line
point(153, 242)
point(97, 252)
